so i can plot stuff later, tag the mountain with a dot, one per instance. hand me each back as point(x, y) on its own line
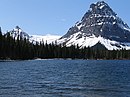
point(99, 25)
point(18, 32)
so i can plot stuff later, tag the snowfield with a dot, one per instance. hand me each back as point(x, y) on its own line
point(46, 39)
point(89, 41)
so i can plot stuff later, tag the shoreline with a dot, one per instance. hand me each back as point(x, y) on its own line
point(39, 59)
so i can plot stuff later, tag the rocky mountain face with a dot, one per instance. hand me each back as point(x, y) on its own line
point(100, 24)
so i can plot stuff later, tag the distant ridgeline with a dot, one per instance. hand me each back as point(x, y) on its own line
point(23, 49)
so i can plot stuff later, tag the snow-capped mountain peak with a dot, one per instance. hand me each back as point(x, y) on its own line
point(101, 8)
point(100, 24)
point(17, 32)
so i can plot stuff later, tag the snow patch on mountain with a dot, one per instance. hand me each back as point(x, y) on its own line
point(46, 39)
point(84, 40)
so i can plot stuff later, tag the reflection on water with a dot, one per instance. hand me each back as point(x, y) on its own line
point(65, 78)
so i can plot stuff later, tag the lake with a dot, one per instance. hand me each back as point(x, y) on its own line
point(65, 78)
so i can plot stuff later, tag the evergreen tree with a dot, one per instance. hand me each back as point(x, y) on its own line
point(0, 32)
point(1, 43)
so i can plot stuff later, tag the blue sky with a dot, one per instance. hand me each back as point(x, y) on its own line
point(43, 17)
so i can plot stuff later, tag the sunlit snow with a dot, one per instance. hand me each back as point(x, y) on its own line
point(46, 39)
point(89, 41)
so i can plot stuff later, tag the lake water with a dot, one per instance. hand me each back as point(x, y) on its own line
point(65, 78)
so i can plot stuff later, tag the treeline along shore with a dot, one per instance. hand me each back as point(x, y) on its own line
point(22, 49)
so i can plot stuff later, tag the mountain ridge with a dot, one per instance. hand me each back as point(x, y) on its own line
point(18, 33)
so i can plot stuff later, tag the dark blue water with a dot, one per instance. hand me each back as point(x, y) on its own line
point(65, 78)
